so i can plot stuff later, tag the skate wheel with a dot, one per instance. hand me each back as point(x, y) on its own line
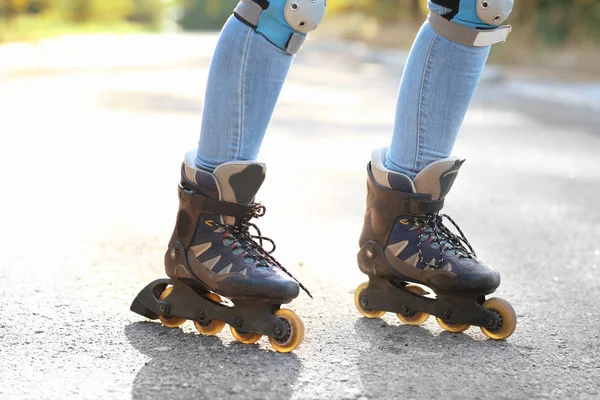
point(170, 322)
point(415, 318)
point(454, 328)
point(295, 331)
point(508, 318)
point(245, 337)
point(365, 311)
point(213, 326)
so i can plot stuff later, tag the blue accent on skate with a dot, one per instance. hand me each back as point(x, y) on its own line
point(402, 232)
point(409, 251)
point(205, 234)
point(429, 250)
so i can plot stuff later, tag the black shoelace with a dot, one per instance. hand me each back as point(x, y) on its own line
point(252, 245)
point(433, 226)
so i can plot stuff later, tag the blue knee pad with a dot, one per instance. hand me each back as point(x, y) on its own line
point(273, 26)
point(285, 23)
point(482, 14)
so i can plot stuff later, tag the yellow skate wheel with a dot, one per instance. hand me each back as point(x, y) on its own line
point(454, 328)
point(365, 311)
point(295, 333)
point(419, 317)
point(214, 326)
point(508, 318)
point(245, 337)
point(170, 322)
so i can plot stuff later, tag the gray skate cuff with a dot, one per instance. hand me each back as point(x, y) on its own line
point(468, 36)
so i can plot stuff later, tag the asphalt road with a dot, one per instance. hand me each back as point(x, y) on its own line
point(92, 139)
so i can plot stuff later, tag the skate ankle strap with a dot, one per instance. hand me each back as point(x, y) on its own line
point(411, 204)
point(200, 202)
point(401, 203)
point(406, 205)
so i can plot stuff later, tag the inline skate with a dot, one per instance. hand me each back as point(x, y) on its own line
point(218, 270)
point(405, 245)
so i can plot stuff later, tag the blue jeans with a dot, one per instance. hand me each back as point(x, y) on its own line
point(247, 73)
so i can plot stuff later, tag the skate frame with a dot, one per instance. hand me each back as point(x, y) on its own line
point(387, 292)
point(453, 309)
point(190, 303)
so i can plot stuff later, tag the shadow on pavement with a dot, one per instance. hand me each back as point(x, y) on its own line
point(187, 365)
point(402, 356)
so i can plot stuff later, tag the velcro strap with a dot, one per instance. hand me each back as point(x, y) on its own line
point(419, 207)
point(202, 203)
point(398, 203)
point(249, 11)
point(295, 43)
point(468, 36)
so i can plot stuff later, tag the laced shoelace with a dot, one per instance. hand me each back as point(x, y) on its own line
point(433, 226)
point(252, 245)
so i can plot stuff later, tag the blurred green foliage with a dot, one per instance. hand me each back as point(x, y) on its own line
point(548, 21)
point(23, 20)
point(205, 14)
point(147, 12)
point(559, 21)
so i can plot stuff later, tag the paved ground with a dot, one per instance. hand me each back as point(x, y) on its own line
point(89, 164)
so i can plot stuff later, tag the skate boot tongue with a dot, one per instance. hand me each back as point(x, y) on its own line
point(233, 182)
point(239, 182)
point(436, 180)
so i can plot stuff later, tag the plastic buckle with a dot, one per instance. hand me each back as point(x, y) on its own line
point(488, 38)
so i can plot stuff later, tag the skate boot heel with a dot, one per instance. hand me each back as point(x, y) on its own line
point(372, 262)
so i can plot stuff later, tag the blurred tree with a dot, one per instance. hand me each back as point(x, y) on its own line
point(109, 11)
point(148, 12)
point(11, 8)
point(557, 22)
point(551, 21)
point(7, 11)
point(19, 5)
point(70, 10)
point(205, 14)
point(35, 6)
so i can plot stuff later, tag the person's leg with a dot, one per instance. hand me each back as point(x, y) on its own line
point(404, 236)
point(438, 84)
point(249, 66)
point(212, 249)
point(245, 79)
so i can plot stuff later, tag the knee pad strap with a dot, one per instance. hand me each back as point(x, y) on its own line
point(468, 36)
point(472, 22)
